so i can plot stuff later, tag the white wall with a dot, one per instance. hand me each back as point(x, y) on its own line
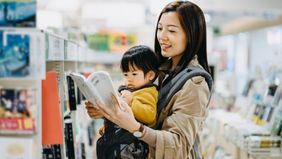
point(266, 49)
point(247, 55)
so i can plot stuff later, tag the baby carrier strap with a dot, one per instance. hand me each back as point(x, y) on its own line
point(176, 83)
point(173, 86)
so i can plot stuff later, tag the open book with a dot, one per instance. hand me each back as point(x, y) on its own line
point(97, 86)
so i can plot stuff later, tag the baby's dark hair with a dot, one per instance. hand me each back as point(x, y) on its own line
point(142, 57)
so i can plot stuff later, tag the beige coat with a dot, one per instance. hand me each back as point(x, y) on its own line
point(183, 118)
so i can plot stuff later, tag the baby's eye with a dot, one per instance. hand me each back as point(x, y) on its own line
point(125, 74)
point(134, 74)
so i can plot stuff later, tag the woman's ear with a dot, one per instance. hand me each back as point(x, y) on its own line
point(151, 75)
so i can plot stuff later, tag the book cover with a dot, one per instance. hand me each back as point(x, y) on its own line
point(19, 54)
point(17, 111)
point(52, 127)
point(18, 13)
point(277, 96)
point(15, 56)
point(55, 47)
point(276, 124)
point(16, 148)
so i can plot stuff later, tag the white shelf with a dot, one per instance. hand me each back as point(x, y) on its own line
point(103, 58)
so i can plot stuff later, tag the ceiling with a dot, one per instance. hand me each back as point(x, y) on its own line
point(224, 16)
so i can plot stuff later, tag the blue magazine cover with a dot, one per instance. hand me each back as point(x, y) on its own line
point(18, 13)
point(14, 55)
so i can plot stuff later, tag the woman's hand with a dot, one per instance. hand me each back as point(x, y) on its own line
point(92, 111)
point(121, 115)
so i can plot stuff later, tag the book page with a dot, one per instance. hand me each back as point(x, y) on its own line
point(103, 87)
point(85, 89)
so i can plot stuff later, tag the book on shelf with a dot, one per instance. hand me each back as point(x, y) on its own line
point(18, 13)
point(264, 151)
point(98, 86)
point(22, 54)
point(264, 141)
point(276, 125)
point(17, 148)
point(277, 96)
point(15, 55)
point(52, 126)
point(55, 48)
point(18, 111)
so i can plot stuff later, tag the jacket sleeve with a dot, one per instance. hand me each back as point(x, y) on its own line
point(144, 107)
point(181, 126)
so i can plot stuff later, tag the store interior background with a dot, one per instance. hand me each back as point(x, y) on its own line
point(244, 45)
point(244, 36)
point(244, 41)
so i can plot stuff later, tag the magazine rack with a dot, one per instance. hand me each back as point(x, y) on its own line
point(253, 133)
point(22, 68)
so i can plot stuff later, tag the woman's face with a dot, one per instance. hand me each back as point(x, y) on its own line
point(171, 36)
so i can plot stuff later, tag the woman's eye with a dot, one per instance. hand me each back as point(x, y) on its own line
point(172, 31)
point(159, 28)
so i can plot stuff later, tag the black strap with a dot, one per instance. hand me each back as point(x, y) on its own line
point(173, 86)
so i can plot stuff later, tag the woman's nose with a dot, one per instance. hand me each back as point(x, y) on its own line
point(162, 36)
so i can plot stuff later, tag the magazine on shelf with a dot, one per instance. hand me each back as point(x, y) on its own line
point(277, 96)
point(276, 123)
point(55, 47)
point(18, 13)
point(22, 54)
point(98, 86)
point(17, 111)
point(15, 58)
point(18, 148)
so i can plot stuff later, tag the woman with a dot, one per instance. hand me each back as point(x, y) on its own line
point(180, 42)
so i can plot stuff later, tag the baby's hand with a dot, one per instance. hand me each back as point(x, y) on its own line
point(127, 95)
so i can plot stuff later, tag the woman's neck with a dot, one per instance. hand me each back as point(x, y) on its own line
point(175, 61)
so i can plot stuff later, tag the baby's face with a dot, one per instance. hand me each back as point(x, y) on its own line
point(135, 78)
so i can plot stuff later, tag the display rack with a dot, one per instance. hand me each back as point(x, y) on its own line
point(48, 52)
point(63, 59)
point(253, 131)
point(22, 56)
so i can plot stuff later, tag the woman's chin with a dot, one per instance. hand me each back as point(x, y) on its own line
point(165, 54)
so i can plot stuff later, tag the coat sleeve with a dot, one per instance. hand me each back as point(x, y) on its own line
point(144, 107)
point(181, 126)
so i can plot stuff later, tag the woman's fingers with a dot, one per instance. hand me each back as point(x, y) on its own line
point(115, 103)
point(93, 111)
point(104, 110)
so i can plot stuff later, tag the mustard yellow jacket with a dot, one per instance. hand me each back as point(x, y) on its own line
point(144, 103)
point(182, 120)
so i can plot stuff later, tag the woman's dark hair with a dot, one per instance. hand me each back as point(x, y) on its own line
point(192, 20)
point(141, 57)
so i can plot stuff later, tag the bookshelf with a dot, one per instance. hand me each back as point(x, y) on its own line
point(22, 56)
point(253, 131)
point(40, 52)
